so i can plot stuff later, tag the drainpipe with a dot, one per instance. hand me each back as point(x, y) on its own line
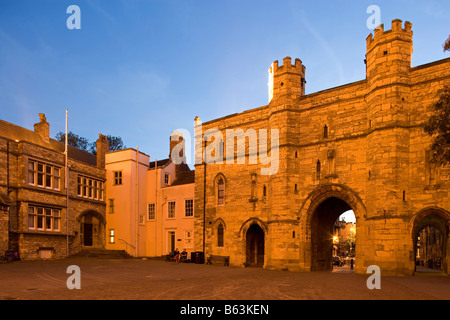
point(204, 204)
point(67, 186)
point(156, 205)
point(7, 193)
point(137, 201)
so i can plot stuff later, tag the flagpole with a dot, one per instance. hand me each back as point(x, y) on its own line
point(67, 186)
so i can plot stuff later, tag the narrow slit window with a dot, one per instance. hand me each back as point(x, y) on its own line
point(220, 235)
point(325, 131)
point(318, 168)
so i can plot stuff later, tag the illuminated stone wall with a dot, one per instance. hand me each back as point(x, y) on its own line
point(368, 138)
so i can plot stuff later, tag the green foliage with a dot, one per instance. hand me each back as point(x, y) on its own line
point(438, 126)
point(115, 143)
point(447, 44)
point(73, 140)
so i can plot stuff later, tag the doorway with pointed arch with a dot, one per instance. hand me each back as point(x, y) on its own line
point(254, 246)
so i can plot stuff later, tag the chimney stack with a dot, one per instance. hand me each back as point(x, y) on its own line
point(102, 149)
point(178, 155)
point(43, 128)
point(175, 139)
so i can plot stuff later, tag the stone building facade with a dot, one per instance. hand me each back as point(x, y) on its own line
point(359, 146)
point(44, 218)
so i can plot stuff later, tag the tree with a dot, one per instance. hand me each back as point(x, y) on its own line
point(115, 143)
point(73, 140)
point(438, 126)
point(447, 44)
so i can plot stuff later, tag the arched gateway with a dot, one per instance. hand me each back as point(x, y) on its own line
point(318, 214)
point(431, 252)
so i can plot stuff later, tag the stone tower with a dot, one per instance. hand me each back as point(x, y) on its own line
point(388, 60)
point(287, 84)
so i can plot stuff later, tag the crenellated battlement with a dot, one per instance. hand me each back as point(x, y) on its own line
point(389, 53)
point(380, 35)
point(287, 66)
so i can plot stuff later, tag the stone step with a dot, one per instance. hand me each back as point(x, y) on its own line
point(103, 253)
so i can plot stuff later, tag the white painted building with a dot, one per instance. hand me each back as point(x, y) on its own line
point(150, 205)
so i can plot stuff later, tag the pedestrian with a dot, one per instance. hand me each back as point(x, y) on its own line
point(176, 253)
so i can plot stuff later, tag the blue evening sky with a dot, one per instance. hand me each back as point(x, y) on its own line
point(141, 69)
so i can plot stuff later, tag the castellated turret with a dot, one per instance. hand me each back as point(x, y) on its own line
point(286, 81)
point(389, 54)
point(388, 66)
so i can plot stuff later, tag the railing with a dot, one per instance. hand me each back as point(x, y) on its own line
point(126, 246)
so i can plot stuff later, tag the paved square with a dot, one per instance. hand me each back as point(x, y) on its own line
point(138, 279)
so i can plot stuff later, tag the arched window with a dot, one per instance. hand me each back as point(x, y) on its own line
point(220, 235)
point(318, 170)
point(220, 191)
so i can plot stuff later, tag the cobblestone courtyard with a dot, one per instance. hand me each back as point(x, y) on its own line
point(104, 279)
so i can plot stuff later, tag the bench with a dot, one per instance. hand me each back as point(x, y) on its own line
point(224, 259)
point(170, 257)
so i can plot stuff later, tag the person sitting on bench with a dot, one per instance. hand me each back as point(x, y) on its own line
point(183, 256)
point(176, 254)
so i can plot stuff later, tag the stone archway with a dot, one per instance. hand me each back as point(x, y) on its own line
point(317, 216)
point(92, 229)
point(254, 248)
point(438, 219)
point(253, 234)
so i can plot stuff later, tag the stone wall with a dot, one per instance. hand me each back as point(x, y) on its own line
point(22, 195)
point(373, 159)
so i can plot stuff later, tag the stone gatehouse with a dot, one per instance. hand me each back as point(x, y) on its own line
point(359, 146)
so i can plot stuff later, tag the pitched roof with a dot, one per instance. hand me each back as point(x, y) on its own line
point(14, 132)
point(161, 163)
point(184, 177)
